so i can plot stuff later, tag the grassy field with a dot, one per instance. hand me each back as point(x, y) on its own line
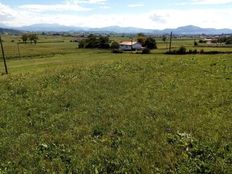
point(91, 111)
point(48, 46)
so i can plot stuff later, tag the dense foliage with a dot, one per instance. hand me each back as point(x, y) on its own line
point(226, 40)
point(32, 37)
point(93, 41)
point(148, 42)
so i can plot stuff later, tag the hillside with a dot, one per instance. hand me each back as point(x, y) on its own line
point(94, 112)
point(9, 31)
point(185, 30)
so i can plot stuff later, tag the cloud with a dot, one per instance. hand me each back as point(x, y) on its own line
point(101, 2)
point(158, 19)
point(6, 13)
point(105, 7)
point(135, 5)
point(211, 1)
point(55, 7)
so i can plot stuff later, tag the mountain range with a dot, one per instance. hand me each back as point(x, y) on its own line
point(185, 30)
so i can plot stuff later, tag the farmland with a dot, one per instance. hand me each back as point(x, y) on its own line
point(70, 110)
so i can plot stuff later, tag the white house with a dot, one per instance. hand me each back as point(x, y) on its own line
point(130, 45)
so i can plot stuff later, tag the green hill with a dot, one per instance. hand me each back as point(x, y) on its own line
point(94, 112)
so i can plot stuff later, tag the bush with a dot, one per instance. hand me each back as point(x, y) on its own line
point(195, 51)
point(150, 43)
point(202, 51)
point(202, 41)
point(146, 51)
point(195, 43)
point(95, 42)
point(182, 50)
point(117, 51)
point(114, 45)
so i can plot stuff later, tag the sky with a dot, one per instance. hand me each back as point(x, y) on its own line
point(151, 14)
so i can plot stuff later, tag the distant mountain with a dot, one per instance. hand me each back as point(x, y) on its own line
point(185, 30)
point(10, 31)
point(192, 30)
point(46, 28)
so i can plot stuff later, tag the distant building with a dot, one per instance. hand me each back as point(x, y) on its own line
point(130, 45)
point(210, 40)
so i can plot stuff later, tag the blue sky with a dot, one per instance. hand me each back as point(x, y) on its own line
point(135, 13)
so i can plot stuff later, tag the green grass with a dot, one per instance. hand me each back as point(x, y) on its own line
point(46, 46)
point(97, 112)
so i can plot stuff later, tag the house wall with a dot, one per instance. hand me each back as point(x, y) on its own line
point(136, 46)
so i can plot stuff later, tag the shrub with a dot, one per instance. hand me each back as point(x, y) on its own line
point(117, 51)
point(195, 51)
point(150, 43)
point(146, 51)
point(202, 41)
point(195, 43)
point(95, 42)
point(182, 50)
point(114, 45)
point(202, 51)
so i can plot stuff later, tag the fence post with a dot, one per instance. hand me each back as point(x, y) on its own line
point(3, 55)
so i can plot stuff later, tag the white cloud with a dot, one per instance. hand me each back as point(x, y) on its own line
point(6, 13)
point(105, 7)
point(211, 1)
point(54, 7)
point(86, 1)
point(158, 19)
point(135, 5)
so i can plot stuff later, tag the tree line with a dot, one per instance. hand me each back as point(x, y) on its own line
point(104, 42)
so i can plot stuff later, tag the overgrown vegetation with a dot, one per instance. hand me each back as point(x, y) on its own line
point(93, 41)
point(183, 50)
point(32, 37)
point(147, 42)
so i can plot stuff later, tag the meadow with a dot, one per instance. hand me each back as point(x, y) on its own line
point(70, 110)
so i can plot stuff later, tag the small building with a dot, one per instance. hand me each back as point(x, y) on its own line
point(130, 45)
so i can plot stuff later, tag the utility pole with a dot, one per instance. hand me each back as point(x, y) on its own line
point(170, 43)
point(3, 55)
point(18, 50)
point(132, 45)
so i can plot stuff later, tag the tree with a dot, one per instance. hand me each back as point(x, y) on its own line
point(93, 41)
point(150, 43)
point(25, 38)
point(114, 45)
point(33, 38)
point(103, 42)
point(141, 38)
point(182, 50)
point(195, 43)
point(141, 35)
point(164, 38)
